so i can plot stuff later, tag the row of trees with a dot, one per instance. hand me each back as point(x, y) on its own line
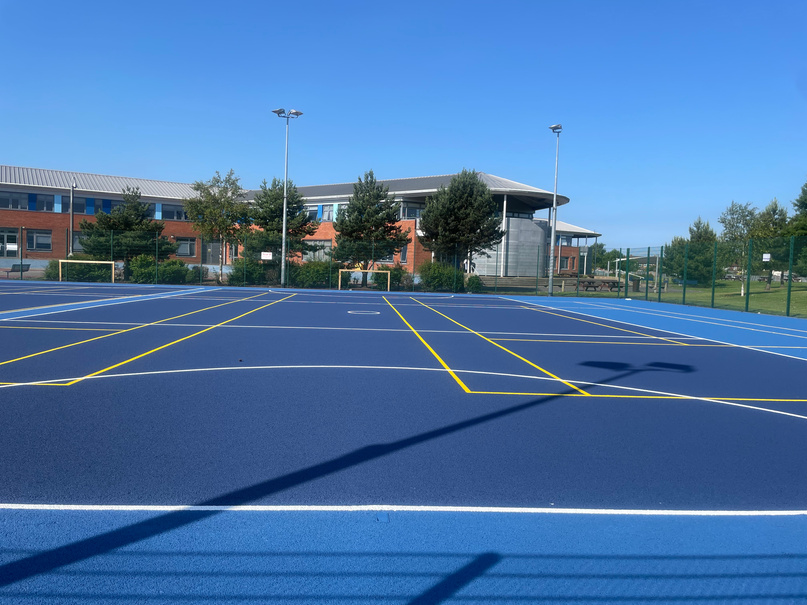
point(770, 227)
point(457, 222)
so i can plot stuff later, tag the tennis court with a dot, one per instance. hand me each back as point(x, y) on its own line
point(237, 445)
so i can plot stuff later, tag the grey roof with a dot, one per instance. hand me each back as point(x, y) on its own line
point(569, 229)
point(91, 183)
point(419, 188)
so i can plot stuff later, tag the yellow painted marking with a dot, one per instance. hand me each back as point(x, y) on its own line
point(527, 361)
point(433, 352)
point(683, 344)
point(160, 348)
point(154, 323)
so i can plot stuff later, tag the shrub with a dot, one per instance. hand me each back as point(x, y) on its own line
point(441, 277)
point(474, 284)
point(247, 272)
point(316, 274)
point(399, 278)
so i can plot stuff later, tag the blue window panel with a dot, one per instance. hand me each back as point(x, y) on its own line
point(319, 212)
point(158, 212)
point(32, 201)
point(106, 206)
point(57, 203)
point(90, 207)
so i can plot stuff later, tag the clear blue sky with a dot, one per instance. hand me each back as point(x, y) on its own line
point(670, 110)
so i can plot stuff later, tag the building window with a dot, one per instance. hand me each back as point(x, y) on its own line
point(564, 263)
point(172, 212)
point(77, 247)
point(404, 254)
point(322, 251)
point(410, 212)
point(327, 213)
point(13, 201)
point(187, 246)
point(38, 239)
point(79, 205)
point(44, 203)
point(312, 212)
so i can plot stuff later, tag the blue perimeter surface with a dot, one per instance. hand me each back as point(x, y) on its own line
point(238, 415)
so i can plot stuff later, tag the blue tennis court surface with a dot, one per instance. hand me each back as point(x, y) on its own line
point(168, 444)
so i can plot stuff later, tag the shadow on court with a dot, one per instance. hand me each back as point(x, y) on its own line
point(104, 543)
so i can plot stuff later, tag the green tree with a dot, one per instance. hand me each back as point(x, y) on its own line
point(267, 213)
point(124, 233)
point(768, 233)
point(219, 211)
point(367, 227)
point(460, 220)
point(737, 221)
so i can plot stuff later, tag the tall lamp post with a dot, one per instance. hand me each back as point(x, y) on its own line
point(70, 234)
point(282, 113)
point(556, 128)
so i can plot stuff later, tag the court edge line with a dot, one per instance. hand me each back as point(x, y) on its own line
point(527, 361)
point(704, 319)
point(160, 348)
point(627, 323)
point(433, 352)
point(403, 508)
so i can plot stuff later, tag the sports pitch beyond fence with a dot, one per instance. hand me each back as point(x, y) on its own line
point(203, 444)
point(760, 275)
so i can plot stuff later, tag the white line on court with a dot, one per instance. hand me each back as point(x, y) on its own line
point(627, 323)
point(76, 306)
point(649, 392)
point(401, 508)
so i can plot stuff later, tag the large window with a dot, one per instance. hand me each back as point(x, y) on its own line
point(312, 212)
point(38, 239)
point(322, 252)
point(410, 212)
point(44, 203)
point(327, 213)
point(173, 212)
point(13, 201)
point(187, 246)
point(404, 254)
point(79, 205)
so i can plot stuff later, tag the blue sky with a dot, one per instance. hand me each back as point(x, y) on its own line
point(671, 110)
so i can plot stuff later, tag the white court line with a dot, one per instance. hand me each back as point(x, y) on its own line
point(649, 392)
point(627, 323)
point(75, 306)
point(402, 508)
point(720, 322)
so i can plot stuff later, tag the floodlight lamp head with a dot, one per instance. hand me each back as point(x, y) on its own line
point(280, 112)
point(73, 184)
point(556, 128)
point(294, 113)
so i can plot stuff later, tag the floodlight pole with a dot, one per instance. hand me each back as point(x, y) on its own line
point(556, 128)
point(70, 230)
point(282, 113)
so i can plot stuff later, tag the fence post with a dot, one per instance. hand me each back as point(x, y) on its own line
point(496, 272)
point(201, 254)
point(537, 269)
point(646, 275)
point(627, 272)
point(748, 274)
point(577, 287)
point(790, 274)
point(714, 274)
point(660, 273)
point(686, 260)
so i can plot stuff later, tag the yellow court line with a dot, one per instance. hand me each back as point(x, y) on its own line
point(433, 352)
point(160, 348)
point(683, 344)
point(537, 367)
point(154, 323)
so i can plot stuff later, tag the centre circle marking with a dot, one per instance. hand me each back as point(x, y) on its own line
point(365, 312)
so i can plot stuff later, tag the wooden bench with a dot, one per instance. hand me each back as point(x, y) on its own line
point(18, 268)
point(600, 284)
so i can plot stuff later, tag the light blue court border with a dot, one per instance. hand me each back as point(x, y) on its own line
point(770, 333)
point(400, 557)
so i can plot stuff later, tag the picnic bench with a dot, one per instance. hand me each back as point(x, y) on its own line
point(17, 268)
point(600, 284)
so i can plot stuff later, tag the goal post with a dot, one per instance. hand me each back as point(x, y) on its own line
point(389, 274)
point(111, 264)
